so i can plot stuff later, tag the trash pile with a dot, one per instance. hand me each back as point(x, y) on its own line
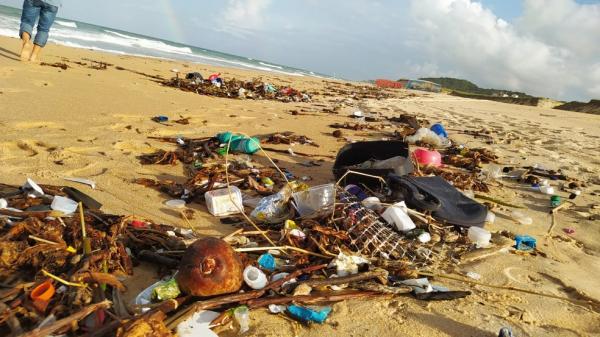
point(370, 234)
point(215, 85)
point(62, 260)
point(394, 216)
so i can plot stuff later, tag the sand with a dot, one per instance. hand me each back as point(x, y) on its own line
point(93, 123)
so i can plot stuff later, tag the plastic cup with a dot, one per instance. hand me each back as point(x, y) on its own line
point(479, 236)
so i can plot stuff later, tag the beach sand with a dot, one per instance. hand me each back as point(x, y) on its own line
point(93, 123)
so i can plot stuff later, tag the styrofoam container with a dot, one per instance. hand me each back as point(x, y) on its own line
point(65, 205)
point(220, 203)
point(395, 215)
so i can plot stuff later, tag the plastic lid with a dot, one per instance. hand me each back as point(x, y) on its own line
point(176, 203)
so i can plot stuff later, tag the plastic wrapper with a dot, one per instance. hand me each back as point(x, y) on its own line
point(166, 290)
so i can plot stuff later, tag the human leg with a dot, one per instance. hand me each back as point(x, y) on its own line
point(47, 16)
point(29, 16)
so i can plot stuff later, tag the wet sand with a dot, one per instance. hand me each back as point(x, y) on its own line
point(93, 123)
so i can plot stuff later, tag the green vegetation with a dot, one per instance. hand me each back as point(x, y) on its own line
point(465, 86)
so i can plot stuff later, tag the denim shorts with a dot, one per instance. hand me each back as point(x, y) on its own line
point(43, 13)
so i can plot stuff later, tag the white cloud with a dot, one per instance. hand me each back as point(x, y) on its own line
point(553, 50)
point(240, 17)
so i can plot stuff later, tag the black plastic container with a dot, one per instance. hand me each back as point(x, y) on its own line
point(360, 152)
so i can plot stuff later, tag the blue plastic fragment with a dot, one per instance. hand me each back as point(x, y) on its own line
point(525, 242)
point(267, 261)
point(162, 119)
point(308, 315)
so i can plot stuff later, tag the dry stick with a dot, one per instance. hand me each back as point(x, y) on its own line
point(346, 279)
point(241, 230)
point(301, 154)
point(240, 297)
point(51, 328)
point(312, 299)
point(497, 201)
point(281, 248)
point(553, 214)
point(505, 288)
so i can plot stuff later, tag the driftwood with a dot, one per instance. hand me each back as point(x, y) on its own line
point(312, 299)
point(301, 154)
point(379, 274)
point(51, 328)
point(152, 257)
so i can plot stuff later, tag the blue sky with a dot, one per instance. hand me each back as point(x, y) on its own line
point(543, 47)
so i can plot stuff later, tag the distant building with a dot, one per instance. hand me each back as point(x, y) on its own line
point(514, 96)
point(423, 85)
point(389, 84)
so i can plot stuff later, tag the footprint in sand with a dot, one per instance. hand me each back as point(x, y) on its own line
point(134, 147)
point(43, 84)
point(37, 125)
point(10, 150)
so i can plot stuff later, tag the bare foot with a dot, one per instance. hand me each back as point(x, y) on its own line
point(26, 50)
point(35, 54)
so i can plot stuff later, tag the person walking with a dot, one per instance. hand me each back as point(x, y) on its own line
point(44, 12)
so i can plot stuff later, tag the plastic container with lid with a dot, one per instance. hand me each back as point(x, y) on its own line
point(220, 203)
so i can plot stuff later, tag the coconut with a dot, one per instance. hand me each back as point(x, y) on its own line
point(210, 267)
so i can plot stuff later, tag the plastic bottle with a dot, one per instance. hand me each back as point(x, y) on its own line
point(395, 215)
point(245, 145)
point(255, 278)
point(479, 236)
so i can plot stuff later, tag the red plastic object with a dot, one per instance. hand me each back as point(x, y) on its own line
point(214, 77)
point(426, 157)
point(569, 230)
point(42, 294)
point(138, 224)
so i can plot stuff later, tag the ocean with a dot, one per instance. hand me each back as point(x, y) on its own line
point(87, 36)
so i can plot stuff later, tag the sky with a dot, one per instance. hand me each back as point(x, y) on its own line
point(547, 48)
